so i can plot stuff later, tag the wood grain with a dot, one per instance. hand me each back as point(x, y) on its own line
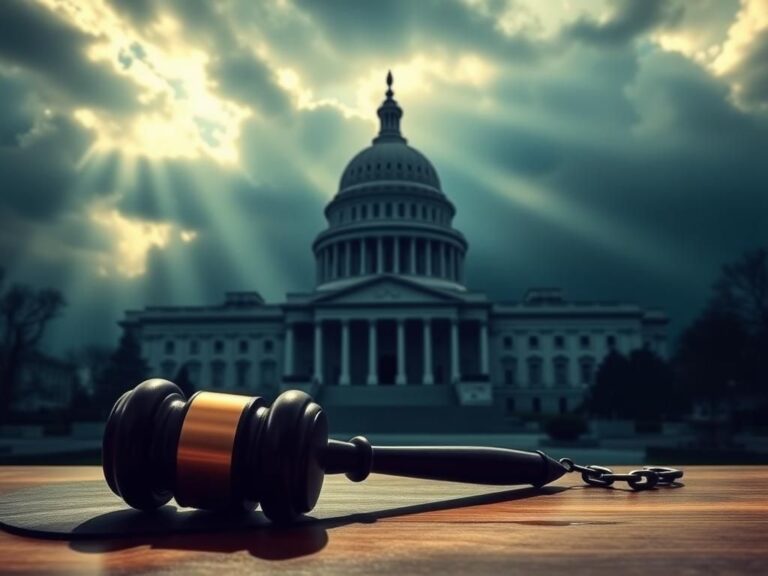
point(716, 524)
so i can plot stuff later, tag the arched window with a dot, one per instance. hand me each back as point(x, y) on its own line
point(218, 347)
point(560, 365)
point(585, 342)
point(218, 373)
point(586, 370)
point(194, 347)
point(193, 372)
point(268, 346)
point(268, 375)
point(610, 342)
point(243, 368)
point(533, 342)
point(243, 346)
point(507, 342)
point(534, 371)
point(509, 367)
point(170, 347)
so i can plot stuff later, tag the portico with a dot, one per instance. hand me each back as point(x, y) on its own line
point(387, 345)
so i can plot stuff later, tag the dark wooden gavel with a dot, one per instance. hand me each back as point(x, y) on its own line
point(221, 451)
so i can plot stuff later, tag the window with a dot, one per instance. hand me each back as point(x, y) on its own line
point(586, 370)
point(388, 210)
point(507, 342)
point(559, 342)
point(423, 212)
point(585, 342)
point(194, 347)
point(268, 346)
point(536, 405)
point(534, 371)
point(218, 347)
point(401, 210)
point(170, 347)
point(268, 373)
point(610, 341)
point(560, 365)
point(563, 405)
point(243, 346)
point(363, 212)
point(510, 371)
point(533, 342)
point(354, 212)
point(413, 210)
point(168, 369)
point(243, 371)
point(375, 210)
point(218, 373)
point(193, 371)
point(510, 404)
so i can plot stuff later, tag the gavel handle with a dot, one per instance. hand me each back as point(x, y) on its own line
point(478, 465)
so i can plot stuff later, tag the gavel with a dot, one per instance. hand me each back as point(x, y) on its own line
point(218, 451)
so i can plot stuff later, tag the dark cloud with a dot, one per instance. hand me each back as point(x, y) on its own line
point(55, 52)
point(752, 74)
point(243, 76)
point(38, 156)
point(628, 20)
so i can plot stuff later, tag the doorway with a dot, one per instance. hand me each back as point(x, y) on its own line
point(387, 369)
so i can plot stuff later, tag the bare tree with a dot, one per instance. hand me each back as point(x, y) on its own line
point(24, 315)
point(742, 290)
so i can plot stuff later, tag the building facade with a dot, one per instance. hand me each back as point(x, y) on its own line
point(390, 318)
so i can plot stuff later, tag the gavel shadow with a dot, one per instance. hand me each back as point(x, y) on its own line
point(252, 532)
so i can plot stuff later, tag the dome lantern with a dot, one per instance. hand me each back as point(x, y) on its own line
point(390, 114)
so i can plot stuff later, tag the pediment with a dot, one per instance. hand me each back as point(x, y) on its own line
point(388, 290)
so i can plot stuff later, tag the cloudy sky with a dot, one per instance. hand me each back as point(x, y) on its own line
point(165, 152)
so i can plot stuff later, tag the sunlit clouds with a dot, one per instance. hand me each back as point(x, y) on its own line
point(166, 152)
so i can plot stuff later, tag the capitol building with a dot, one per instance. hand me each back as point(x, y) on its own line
point(391, 323)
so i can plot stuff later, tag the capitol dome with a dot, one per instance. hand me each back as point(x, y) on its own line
point(390, 215)
point(389, 162)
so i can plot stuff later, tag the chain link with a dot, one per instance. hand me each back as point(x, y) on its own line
point(644, 479)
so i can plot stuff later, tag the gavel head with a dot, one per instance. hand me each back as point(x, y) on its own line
point(215, 451)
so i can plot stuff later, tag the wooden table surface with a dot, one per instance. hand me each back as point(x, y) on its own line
point(716, 524)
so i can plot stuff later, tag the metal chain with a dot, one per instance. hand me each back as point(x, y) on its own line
point(644, 479)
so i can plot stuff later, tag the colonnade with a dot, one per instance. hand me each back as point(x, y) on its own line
point(390, 254)
point(373, 352)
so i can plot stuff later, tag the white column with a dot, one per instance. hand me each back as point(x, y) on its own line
point(362, 257)
point(318, 377)
point(442, 261)
point(372, 355)
point(428, 376)
point(344, 376)
point(348, 259)
point(396, 255)
point(483, 347)
point(400, 378)
point(379, 255)
point(335, 261)
point(288, 370)
point(413, 255)
point(455, 350)
point(428, 256)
